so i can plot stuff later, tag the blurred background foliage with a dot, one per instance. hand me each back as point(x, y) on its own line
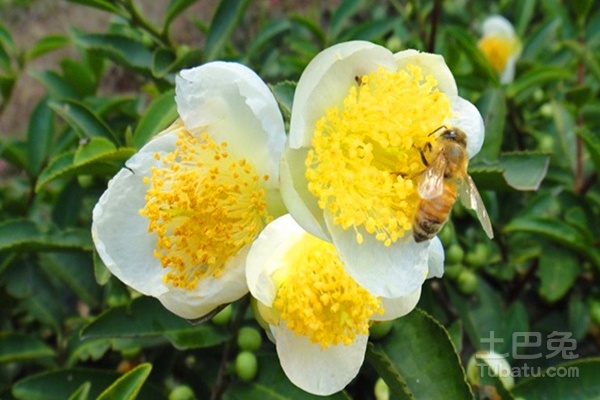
point(68, 330)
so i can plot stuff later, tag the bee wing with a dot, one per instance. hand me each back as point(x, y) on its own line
point(431, 184)
point(470, 197)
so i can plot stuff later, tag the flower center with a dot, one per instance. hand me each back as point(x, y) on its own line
point(318, 299)
point(497, 50)
point(204, 207)
point(366, 155)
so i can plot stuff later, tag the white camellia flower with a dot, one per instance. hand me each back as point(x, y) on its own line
point(317, 314)
point(361, 122)
point(177, 222)
point(501, 46)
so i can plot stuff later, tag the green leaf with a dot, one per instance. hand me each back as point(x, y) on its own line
point(284, 94)
point(521, 171)
point(102, 164)
point(465, 42)
point(492, 106)
point(267, 35)
point(75, 270)
point(272, 384)
point(101, 272)
point(525, 84)
point(550, 228)
point(39, 136)
point(524, 14)
point(81, 78)
point(579, 318)
point(408, 351)
point(196, 337)
point(592, 143)
point(541, 40)
point(82, 392)
point(103, 5)
point(56, 85)
point(143, 317)
point(162, 59)
point(129, 385)
point(482, 315)
point(342, 16)
point(60, 384)
point(23, 235)
point(370, 30)
point(224, 21)
point(558, 270)
point(18, 347)
point(159, 114)
point(46, 45)
point(121, 49)
point(565, 129)
point(83, 120)
point(176, 7)
point(576, 380)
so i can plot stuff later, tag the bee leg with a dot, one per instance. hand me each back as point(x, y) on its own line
point(427, 147)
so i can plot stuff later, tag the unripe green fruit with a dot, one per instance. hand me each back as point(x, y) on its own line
point(223, 316)
point(249, 339)
point(182, 392)
point(467, 282)
point(246, 366)
point(453, 270)
point(478, 256)
point(380, 329)
point(446, 235)
point(381, 390)
point(454, 254)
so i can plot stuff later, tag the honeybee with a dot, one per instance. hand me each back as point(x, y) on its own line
point(442, 182)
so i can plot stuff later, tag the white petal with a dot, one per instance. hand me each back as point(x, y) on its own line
point(398, 307)
point(497, 25)
point(326, 82)
point(120, 233)
point(210, 292)
point(468, 119)
point(435, 261)
point(508, 74)
point(231, 103)
point(267, 254)
point(316, 370)
point(431, 64)
point(392, 271)
point(294, 190)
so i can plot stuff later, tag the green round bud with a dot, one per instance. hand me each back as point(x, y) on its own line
point(467, 281)
point(249, 339)
point(546, 110)
point(223, 316)
point(453, 270)
point(380, 329)
point(182, 392)
point(246, 366)
point(446, 235)
point(489, 362)
point(454, 254)
point(381, 390)
point(478, 256)
point(595, 311)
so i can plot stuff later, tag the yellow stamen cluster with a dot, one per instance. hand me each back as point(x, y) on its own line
point(318, 299)
point(497, 50)
point(365, 161)
point(204, 207)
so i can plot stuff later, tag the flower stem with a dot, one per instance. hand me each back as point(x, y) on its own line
point(221, 380)
point(435, 15)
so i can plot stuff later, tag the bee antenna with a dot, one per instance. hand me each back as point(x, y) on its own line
point(437, 129)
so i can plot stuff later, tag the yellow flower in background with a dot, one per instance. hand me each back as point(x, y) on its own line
point(177, 222)
point(349, 174)
point(501, 46)
point(317, 314)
